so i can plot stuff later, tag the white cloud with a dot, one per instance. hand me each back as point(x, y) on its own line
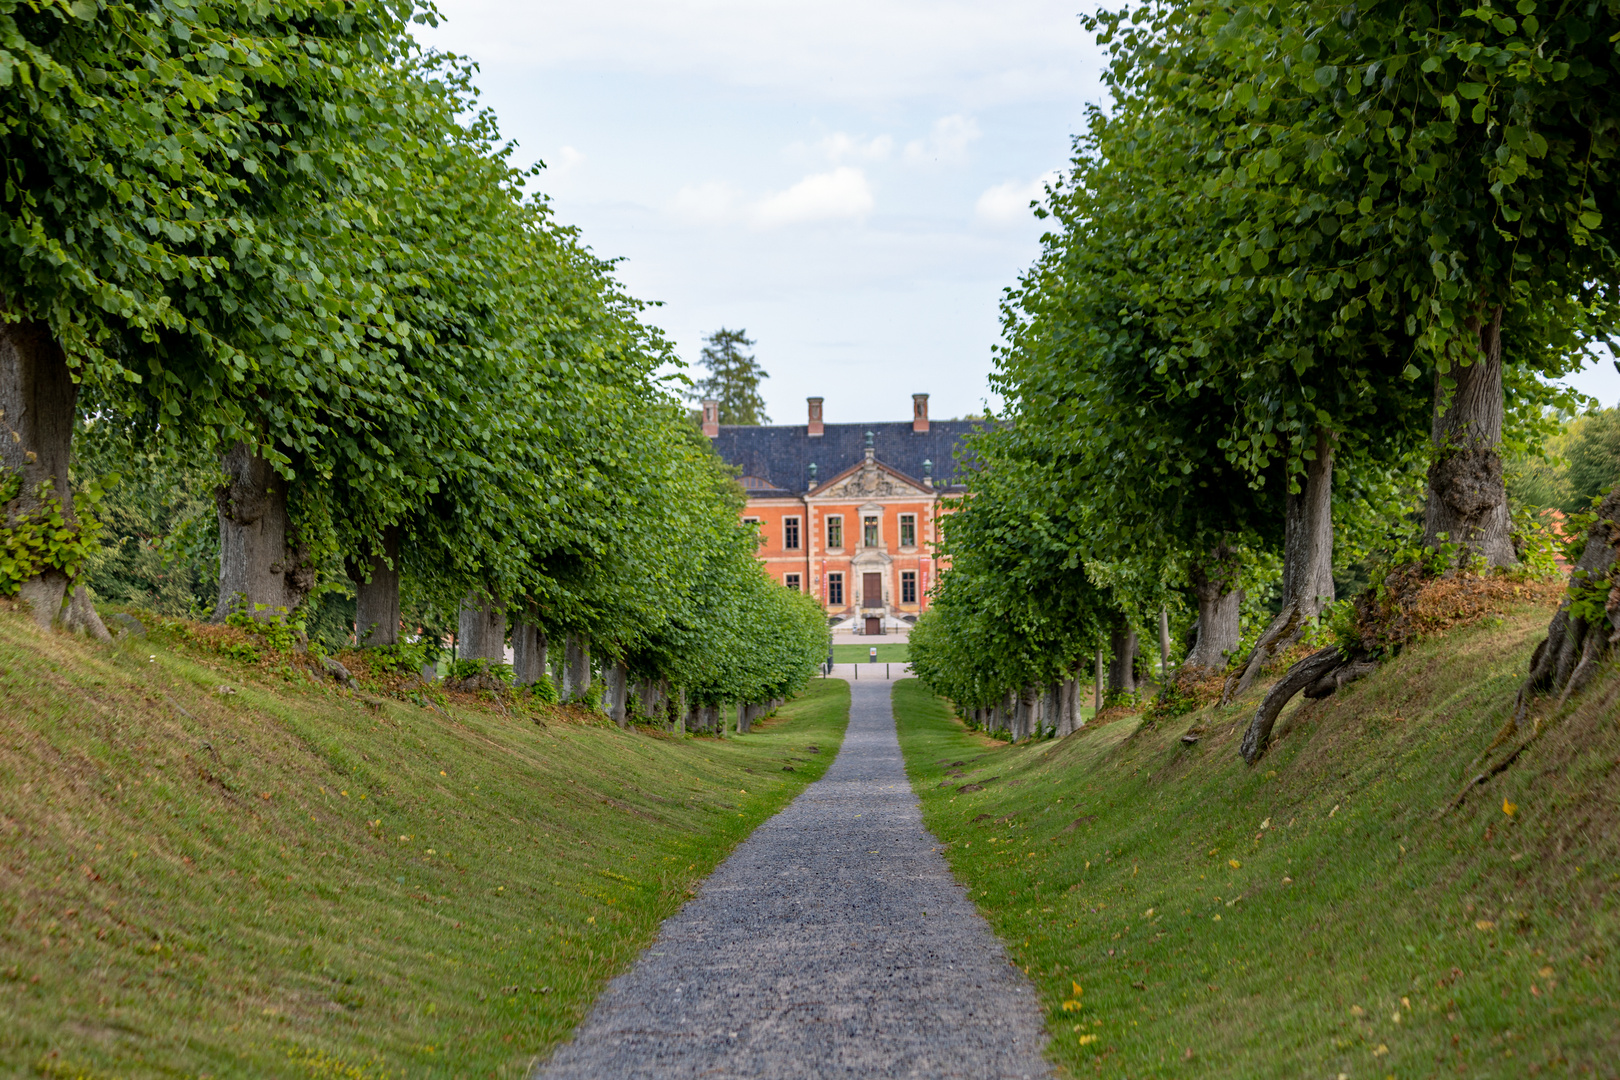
point(859, 51)
point(842, 193)
point(1007, 203)
point(712, 202)
point(567, 160)
point(946, 144)
point(839, 147)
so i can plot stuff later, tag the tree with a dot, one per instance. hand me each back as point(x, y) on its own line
point(733, 378)
point(167, 198)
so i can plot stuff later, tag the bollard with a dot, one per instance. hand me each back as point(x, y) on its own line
point(886, 671)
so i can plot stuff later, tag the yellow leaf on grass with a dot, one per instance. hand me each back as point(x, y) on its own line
point(1484, 924)
point(1078, 991)
point(1234, 864)
point(1087, 1040)
point(1071, 1005)
point(1509, 808)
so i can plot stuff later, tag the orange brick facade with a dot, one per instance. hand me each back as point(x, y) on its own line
point(861, 540)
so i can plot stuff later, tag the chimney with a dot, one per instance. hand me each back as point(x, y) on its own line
point(711, 418)
point(815, 417)
point(919, 413)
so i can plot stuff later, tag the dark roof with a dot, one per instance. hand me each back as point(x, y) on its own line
point(781, 455)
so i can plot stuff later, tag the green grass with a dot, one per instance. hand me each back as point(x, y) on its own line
point(887, 652)
point(1320, 914)
point(295, 881)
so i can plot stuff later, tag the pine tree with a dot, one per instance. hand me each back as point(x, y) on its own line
point(733, 378)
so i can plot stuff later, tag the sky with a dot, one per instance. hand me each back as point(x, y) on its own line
point(849, 181)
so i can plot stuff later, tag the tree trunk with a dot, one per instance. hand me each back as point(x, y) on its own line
point(1308, 531)
point(37, 400)
point(376, 592)
point(1307, 566)
point(528, 652)
point(81, 618)
point(616, 683)
point(1578, 640)
point(483, 628)
point(1051, 709)
point(745, 718)
point(1219, 601)
point(1467, 498)
point(576, 667)
point(1122, 667)
point(262, 570)
point(1164, 646)
point(1097, 692)
point(1067, 707)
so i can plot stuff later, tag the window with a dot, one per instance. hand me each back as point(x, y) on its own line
point(908, 530)
point(792, 582)
point(835, 530)
point(908, 586)
point(835, 590)
point(869, 532)
point(790, 533)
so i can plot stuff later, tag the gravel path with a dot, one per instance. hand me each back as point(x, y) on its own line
point(808, 953)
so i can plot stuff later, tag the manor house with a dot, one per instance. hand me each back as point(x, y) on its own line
point(848, 512)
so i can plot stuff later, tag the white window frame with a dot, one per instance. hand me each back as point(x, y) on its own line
point(798, 533)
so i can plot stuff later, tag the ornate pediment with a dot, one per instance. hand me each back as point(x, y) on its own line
point(869, 480)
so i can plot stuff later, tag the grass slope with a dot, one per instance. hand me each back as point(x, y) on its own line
point(295, 881)
point(1183, 915)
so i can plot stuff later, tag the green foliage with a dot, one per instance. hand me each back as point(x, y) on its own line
point(275, 628)
point(543, 690)
point(733, 379)
point(291, 226)
point(476, 666)
point(44, 538)
point(1290, 224)
point(1594, 458)
point(403, 658)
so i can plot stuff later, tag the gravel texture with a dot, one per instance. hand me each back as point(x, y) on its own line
point(832, 943)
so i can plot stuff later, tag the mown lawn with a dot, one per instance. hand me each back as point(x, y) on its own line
point(210, 871)
point(1322, 914)
point(887, 652)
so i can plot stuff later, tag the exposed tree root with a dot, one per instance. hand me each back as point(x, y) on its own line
point(1280, 636)
point(1314, 672)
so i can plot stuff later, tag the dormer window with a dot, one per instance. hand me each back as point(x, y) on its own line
point(755, 483)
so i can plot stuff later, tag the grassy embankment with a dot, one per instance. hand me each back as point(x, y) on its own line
point(889, 652)
point(288, 879)
point(1322, 914)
